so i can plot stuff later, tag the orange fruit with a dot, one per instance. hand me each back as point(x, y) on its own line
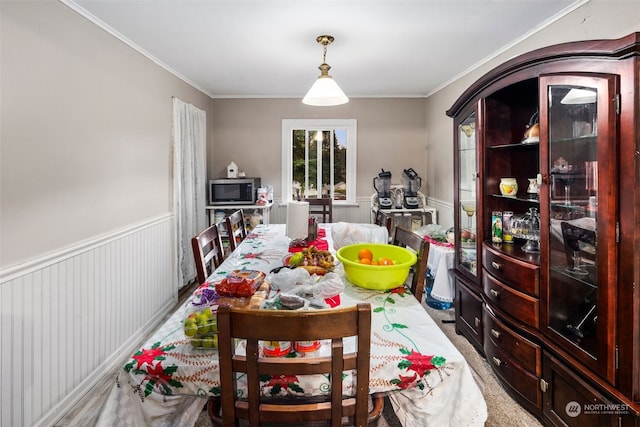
point(365, 261)
point(365, 253)
point(374, 262)
point(385, 261)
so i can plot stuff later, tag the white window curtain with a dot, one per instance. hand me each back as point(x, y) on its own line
point(189, 179)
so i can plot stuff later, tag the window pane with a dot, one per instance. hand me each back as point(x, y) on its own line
point(325, 184)
point(316, 161)
point(340, 164)
point(299, 162)
point(312, 164)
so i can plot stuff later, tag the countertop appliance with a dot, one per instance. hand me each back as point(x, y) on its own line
point(233, 191)
point(382, 184)
point(411, 183)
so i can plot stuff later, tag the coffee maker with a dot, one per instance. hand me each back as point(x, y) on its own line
point(411, 184)
point(382, 184)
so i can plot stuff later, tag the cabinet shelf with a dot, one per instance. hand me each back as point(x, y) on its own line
point(264, 211)
point(519, 199)
point(587, 280)
point(515, 145)
point(587, 138)
point(579, 204)
point(423, 214)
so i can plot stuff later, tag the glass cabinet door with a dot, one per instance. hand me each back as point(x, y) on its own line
point(581, 147)
point(467, 170)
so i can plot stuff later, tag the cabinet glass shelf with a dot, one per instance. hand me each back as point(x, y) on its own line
point(587, 280)
point(515, 145)
point(587, 138)
point(520, 199)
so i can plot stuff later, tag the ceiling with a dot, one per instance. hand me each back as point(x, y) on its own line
point(267, 48)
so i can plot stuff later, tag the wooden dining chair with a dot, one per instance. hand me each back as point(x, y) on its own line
point(322, 208)
point(236, 229)
point(409, 239)
point(384, 220)
point(256, 326)
point(207, 251)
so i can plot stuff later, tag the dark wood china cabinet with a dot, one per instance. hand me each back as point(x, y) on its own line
point(547, 218)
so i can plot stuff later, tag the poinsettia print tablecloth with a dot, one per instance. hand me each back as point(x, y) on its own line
point(427, 380)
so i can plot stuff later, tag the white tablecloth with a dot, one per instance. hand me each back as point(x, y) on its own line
point(426, 378)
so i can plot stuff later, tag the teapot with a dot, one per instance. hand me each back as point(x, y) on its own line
point(532, 133)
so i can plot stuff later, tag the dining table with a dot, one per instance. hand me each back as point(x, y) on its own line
point(167, 381)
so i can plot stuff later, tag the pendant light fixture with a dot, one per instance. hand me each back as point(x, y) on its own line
point(325, 91)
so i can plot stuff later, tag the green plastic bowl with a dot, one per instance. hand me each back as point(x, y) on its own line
point(378, 277)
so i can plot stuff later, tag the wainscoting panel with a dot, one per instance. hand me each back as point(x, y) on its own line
point(69, 317)
point(360, 213)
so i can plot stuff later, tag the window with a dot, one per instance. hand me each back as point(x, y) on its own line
point(319, 159)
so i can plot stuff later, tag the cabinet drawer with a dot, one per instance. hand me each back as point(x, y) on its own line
point(517, 274)
point(520, 382)
point(521, 306)
point(527, 353)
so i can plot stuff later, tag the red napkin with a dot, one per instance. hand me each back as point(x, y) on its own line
point(319, 243)
point(333, 301)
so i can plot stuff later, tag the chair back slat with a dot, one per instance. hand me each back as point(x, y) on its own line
point(208, 252)
point(322, 208)
point(383, 220)
point(409, 239)
point(256, 326)
point(236, 229)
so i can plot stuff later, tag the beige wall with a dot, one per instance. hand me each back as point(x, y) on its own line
point(248, 131)
point(86, 131)
point(391, 135)
point(86, 126)
point(598, 19)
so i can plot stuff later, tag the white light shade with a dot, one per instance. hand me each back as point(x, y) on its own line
point(325, 92)
point(579, 96)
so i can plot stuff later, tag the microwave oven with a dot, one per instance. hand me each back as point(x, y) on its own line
point(233, 191)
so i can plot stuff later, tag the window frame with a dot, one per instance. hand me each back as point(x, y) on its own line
point(351, 127)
